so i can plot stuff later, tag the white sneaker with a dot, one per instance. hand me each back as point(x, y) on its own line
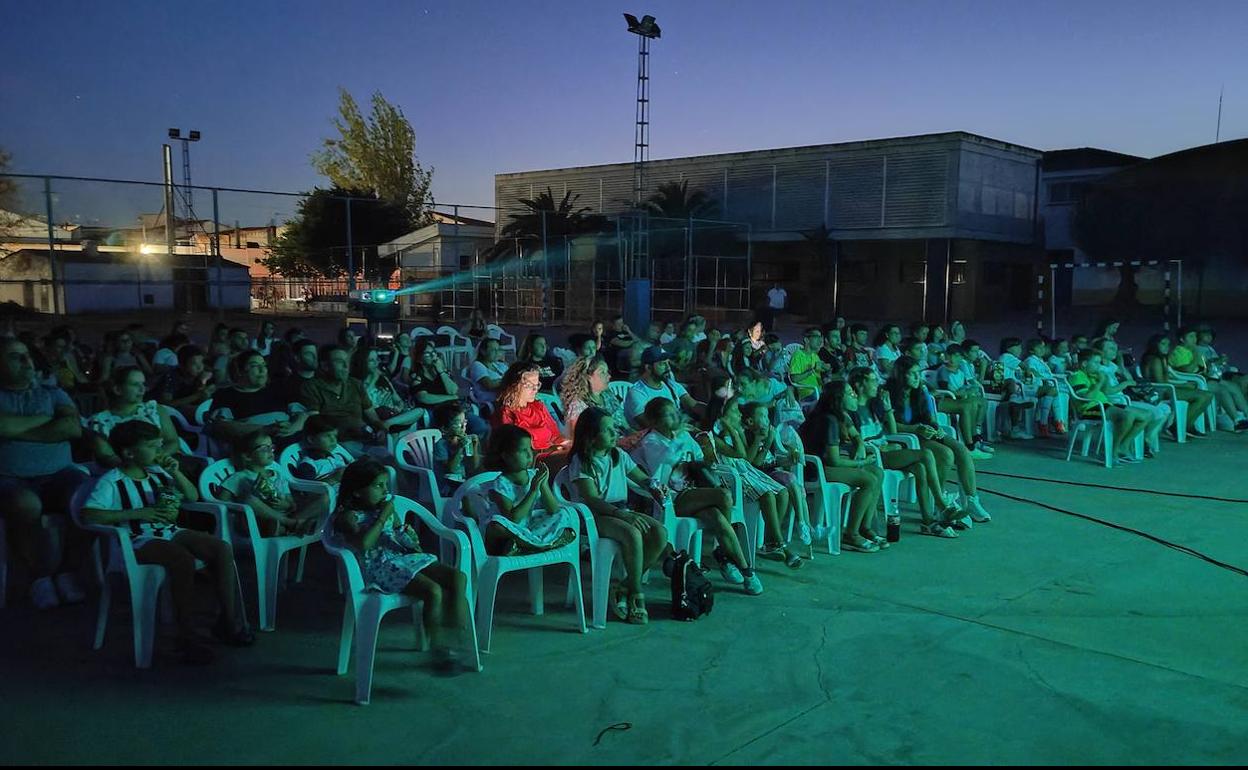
point(69, 588)
point(753, 586)
point(730, 573)
point(979, 454)
point(43, 594)
point(1021, 435)
point(976, 510)
point(950, 500)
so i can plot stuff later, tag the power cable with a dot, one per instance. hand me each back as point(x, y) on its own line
point(1109, 486)
point(1162, 541)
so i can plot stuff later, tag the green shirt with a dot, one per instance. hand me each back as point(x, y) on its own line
point(804, 371)
point(1085, 388)
point(343, 403)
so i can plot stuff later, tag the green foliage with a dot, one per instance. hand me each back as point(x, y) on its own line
point(315, 241)
point(376, 153)
point(673, 200)
point(560, 218)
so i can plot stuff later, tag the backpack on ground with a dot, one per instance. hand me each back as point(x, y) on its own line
point(692, 594)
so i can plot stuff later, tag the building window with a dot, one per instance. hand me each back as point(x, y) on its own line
point(957, 272)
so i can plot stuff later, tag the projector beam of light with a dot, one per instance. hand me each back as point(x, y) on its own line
point(466, 276)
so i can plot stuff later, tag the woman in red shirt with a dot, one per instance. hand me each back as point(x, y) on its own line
point(517, 404)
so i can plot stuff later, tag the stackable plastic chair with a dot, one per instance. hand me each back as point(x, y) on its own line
point(113, 554)
point(488, 570)
point(364, 609)
point(507, 342)
point(268, 553)
point(1087, 426)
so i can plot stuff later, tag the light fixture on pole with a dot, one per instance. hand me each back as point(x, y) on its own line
point(188, 207)
point(646, 30)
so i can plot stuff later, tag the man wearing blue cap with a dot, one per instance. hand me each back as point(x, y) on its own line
point(657, 382)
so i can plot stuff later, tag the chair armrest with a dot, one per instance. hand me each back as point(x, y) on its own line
point(909, 439)
point(218, 511)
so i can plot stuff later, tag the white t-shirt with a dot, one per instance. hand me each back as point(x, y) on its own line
point(886, 354)
point(1038, 367)
point(165, 357)
point(641, 394)
point(608, 474)
point(659, 455)
point(243, 484)
point(478, 371)
point(776, 298)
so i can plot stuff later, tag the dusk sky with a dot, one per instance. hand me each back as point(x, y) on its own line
point(90, 88)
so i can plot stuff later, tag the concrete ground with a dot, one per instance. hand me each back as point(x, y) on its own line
point(1039, 638)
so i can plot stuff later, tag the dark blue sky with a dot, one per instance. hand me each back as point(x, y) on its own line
point(89, 88)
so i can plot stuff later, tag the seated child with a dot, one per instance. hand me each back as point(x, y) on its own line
point(258, 481)
point(457, 454)
point(779, 461)
point(144, 495)
point(390, 558)
point(318, 461)
point(523, 516)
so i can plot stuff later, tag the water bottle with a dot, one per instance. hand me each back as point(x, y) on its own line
point(894, 529)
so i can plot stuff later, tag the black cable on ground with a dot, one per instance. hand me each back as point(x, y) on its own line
point(1180, 548)
point(1110, 486)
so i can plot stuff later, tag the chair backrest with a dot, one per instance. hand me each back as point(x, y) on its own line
point(620, 388)
point(565, 356)
point(416, 447)
point(792, 348)
point(346, 557)
point(201, 412)
point(554, 405)
point(419, 331)
point(291, 455)
point(213, 478)
point(453, 511)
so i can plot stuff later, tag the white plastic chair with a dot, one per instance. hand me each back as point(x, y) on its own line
point(830, 500)
point(200, 447)
point(289, 460)
point(414, 456)
point(1210, 416)
point(144, 580)
point(1101, 426)
point(684, 533)
point(619, 389)
point(268, 553)
point(554, 406)
point(364, 609)
point(488, 570)
point(506, 342)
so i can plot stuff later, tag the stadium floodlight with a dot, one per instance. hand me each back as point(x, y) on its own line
point(647, 27)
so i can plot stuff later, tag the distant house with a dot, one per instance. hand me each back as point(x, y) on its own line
point(445, 247)
point(105, 279)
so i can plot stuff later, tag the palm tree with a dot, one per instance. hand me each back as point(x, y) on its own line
point(561, 218)
point(674, 201)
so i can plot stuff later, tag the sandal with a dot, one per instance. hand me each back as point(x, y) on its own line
point(637, 614)
point(936, 529)
point(792, 560)
point(617, 599)
point(861, 546)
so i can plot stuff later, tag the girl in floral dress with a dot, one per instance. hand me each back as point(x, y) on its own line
point(390, 558)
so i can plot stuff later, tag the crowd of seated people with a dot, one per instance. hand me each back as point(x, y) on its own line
point(682, 415)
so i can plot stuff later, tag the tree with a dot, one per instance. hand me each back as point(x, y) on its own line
point(8, 187)
point(315, 241)
point(674, 201)
point(376, 154)
point(546, 217)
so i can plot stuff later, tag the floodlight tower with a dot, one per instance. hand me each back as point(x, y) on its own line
point(645, 30)
point(188, 208)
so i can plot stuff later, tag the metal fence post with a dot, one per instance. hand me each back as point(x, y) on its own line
point(350, 252)
point(216, 247)
point(47, 201)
